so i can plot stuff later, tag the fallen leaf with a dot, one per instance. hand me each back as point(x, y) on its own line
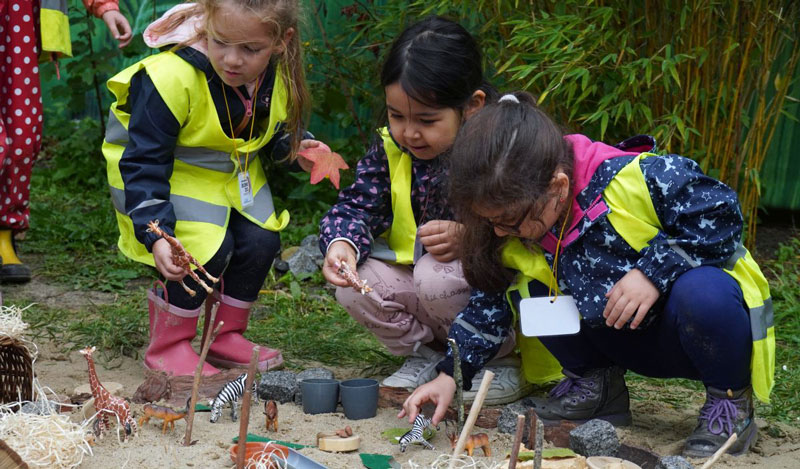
point(327, 163)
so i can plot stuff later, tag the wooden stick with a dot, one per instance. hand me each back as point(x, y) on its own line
point(720, 451)
point(532, 432)
point(512, 464)
point(244, 418)
point(198, 372)
point(537, 450)
point(488, 376)
point(459, 383)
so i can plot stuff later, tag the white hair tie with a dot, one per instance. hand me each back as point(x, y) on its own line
point(509, 97)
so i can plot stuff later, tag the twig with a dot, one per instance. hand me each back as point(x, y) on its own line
point(459, 383)
point(512, 464)
point(537, 451)
point(472, 417)
point(532, 432)
point(198, 372)
point(245, 416)
point(720, 452)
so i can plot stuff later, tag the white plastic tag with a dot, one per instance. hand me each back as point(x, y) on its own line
point(245, 189)
point(541, 316)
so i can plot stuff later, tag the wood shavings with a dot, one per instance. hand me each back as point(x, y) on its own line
point(269, 459)
point(352, 278)
point(461, 462)
point(51, 441)
point(11, 323)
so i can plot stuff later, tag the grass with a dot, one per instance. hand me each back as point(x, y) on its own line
point(74, 231)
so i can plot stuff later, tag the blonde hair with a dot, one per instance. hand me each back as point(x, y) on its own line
point(280, 15)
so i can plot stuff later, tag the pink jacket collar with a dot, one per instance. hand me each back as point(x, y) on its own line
point(588, 157)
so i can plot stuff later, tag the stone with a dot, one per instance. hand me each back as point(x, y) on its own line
point(279, 386)
point(40, 408)
point(307, 259)
point(594, 438)
point(280, 266)
point(674, 462)
point(507, 422)
point(311, 373)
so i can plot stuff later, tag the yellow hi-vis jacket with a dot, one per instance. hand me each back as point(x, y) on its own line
point(397, 244)
point(633, 216)
point(204, 185)
point(54, 26)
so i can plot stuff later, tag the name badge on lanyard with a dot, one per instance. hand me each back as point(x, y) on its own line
point(546, 315)
point(245, 189)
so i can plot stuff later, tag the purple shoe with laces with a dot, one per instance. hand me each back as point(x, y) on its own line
point(720, 416)
point(598, 394)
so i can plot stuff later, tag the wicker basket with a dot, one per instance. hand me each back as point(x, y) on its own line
point(16, 371)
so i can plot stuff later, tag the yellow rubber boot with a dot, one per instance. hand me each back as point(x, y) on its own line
point(12, 270)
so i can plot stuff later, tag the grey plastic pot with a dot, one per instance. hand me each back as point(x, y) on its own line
point(359, 398)
point(320, 396)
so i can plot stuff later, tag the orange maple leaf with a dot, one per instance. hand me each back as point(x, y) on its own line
point(327, 163)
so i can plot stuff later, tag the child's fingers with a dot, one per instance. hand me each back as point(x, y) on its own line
point(627, 313)
point(439, 413)
point(641, 313)
point(616, 310)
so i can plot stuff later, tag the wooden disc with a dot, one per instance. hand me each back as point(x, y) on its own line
point(331, 442)
point(607, 462)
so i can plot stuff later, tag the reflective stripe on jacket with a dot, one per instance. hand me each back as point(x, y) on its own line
point(396, 245)
point(630, 211)
point(54, 26)
point(204, 184)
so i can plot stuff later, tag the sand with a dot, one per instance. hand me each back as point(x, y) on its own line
point(657, 426)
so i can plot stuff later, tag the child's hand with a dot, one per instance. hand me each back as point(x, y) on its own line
point(338, 252)
point(633, 294)
point(162, 254)
point(441, 239)
point(317, 158)
point(440, 391)
point(118, 26)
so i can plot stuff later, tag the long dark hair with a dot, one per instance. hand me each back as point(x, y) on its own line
point(504, 157)
point(438, 63)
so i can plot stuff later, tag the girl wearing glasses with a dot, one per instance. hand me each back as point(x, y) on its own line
point(648, 247)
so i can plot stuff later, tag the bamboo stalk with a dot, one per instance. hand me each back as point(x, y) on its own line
point(198, 372)
point(244, 418)
point(472, 417)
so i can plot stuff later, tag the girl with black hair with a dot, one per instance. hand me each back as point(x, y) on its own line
point(644, 252)
point(393, 225)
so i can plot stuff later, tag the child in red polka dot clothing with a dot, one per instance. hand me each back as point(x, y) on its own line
point(21, 22)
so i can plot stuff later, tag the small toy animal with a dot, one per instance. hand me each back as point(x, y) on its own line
point(165, 413)
point(415, 434)
point(271, 412)
point(231, 393)
point(478, 440)
point(106, 404)
point(182, 258)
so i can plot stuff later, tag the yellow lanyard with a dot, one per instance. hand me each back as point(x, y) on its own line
point(555, 260)
point(252, 124)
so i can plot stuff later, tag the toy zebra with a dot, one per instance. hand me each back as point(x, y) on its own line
point(415, 434)
point(231, 393)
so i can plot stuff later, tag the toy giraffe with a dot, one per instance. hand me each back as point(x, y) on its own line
point(106, 404)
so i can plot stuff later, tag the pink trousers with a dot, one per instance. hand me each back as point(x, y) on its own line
point(410, 304)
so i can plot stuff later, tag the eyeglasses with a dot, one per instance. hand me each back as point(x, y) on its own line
point(512, 229)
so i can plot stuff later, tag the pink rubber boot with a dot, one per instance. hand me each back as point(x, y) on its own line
point(171, 332)
point(231, 349)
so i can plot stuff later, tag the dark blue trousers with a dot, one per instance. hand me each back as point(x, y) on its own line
point(243, 261)
point(702, 333)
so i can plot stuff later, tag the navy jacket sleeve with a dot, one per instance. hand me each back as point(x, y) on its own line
point(147, 160)
point(363, 208)
point(700, 216)
point(479, 330)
